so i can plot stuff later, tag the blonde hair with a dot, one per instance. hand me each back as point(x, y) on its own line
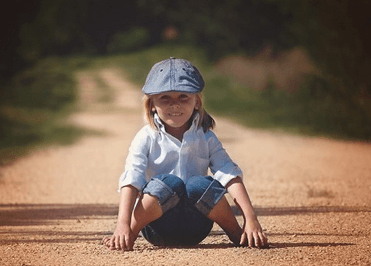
point(205, 121)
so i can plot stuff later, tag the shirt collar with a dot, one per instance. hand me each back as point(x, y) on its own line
point(161, 127)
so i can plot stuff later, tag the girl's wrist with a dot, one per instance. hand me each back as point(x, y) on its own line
point(124, 219)
point(250, 217)
point(249, 212)
point(123, 224)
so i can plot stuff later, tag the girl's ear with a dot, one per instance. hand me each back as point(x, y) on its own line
point(198, 104)
point(151, 107)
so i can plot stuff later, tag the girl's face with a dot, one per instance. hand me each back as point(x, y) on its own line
point(175, 109)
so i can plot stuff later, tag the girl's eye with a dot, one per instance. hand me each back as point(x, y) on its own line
point(165, 97)
point(183, 97)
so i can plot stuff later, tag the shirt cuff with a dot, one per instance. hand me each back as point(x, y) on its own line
point(224, 178)
point(131, 178)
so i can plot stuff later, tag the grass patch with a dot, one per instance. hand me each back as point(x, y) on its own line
point(311, 111)
point(138, 64)
point(299, 113)
point(34, 105)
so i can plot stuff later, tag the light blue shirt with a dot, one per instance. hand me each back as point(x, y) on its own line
point(154, 152)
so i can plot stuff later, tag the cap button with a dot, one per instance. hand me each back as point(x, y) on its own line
point(171, 57)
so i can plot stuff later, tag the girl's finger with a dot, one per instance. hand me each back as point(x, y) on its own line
point(122, 243)
point(251, 240)
point(117, 243)
point(112, 243)
point(106, 241)
point(243, 239)
point(257, 241)
point(263, 239)
point(128, 244)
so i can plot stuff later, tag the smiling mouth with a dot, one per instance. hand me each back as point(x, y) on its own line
point(175, 114)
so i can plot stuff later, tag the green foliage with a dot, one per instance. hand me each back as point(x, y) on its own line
point(313, 110)
point(223, 27)
point(138, 64)
point(128, 41)
point(57, 29)
point(329, 111)
point(36, 101)
point(33, 105)
point(335, 33)
point(48, 85)
point(337, 36)
point(309, 111)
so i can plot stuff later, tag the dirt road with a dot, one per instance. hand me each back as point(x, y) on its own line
point(312, 195)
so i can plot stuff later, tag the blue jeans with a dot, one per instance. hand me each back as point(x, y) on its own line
point(185, 207)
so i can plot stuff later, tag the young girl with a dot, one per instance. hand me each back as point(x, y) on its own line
point(165, 191)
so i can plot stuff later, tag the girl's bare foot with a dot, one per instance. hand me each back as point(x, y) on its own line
point(234, 236)
point(223, 215)
point(107, 242)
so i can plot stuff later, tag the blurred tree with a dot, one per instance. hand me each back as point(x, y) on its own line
point(337, 36)
point(12, 16)
point(33, 29)
point(131, 40)
point(222, 27)
point(336, 33)
point(58, 29)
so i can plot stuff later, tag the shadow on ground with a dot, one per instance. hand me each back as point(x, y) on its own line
point(278, 211)
point(20, 215)
point(44, 214)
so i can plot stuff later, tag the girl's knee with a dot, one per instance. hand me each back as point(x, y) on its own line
point(197, 185)
point(173, 182)
point(204, 193)
point(169, 189)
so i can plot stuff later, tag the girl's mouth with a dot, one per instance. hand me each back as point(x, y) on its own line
point(175, 114)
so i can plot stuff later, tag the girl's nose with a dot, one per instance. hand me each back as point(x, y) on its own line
point(175, 104)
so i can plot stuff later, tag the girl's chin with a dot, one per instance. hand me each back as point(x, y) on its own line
point(176, 125)
point(176, 121)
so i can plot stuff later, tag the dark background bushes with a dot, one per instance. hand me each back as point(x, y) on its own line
point(335, 33)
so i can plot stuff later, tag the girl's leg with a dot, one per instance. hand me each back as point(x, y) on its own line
point(161, 194)
point(147, 210)
point(207, 195)
point(223, 215)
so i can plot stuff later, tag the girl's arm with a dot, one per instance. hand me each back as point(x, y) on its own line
point(252, 235)
point(123, 237)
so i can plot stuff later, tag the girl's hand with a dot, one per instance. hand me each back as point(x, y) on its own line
point(122, 239)
point(252, 234)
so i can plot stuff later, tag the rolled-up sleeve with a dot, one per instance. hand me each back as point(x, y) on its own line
point(136, 162)
point(221, 165)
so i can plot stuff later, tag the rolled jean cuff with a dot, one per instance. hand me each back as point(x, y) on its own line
point(211, 197)
point(166, 196)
